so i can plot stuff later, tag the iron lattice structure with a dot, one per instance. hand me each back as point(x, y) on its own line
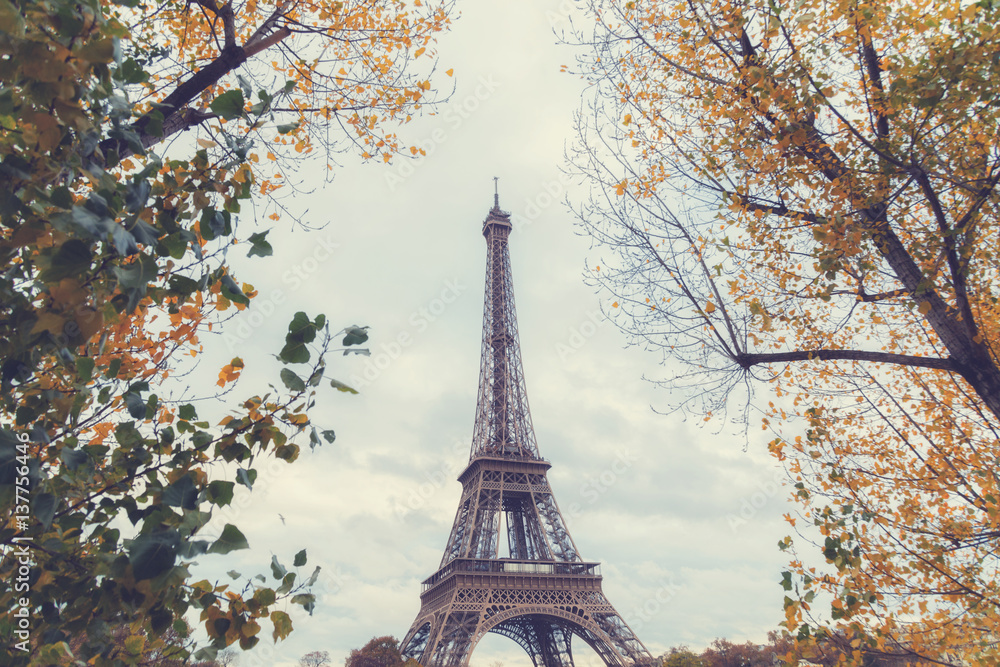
point(542, 593)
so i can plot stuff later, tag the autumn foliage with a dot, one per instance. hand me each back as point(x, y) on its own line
point(137, 142)
point(379, 652)
point(802, 199)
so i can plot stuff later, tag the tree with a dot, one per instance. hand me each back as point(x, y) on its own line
point(113, 245)
point(681, 656)
point(724, 653)
point(379, 652)
point(315, 659)
point(802, 197)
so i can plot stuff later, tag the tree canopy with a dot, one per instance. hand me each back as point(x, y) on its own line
point(379, 652)
point(138, 140)
point(801, 197)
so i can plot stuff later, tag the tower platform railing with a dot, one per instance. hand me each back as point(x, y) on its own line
point(511, 566)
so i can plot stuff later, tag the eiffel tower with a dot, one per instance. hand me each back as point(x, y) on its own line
point(542, 592)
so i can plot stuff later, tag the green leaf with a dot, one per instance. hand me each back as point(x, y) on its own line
point(286, 584)
point(72, 258)
point(307, 600)
point(355, 335)
point(329, 436)
point(220, 493)
point(261, 247)
point(192, 548)
point(313, 577)
point(288, 452)
point(44, 508)
point(291, 380)
point(98, 50)
point(144, 233)
point(73, 458)
point(301, 332)
point(85, 368)
point(264, 596)
point(340, 386)
point(136, 195)
point(160, 619)
point(232, 291)
point(214, 224)
point(277, 569)
point(201, 440)
point(187, 412)
point(137, 274)
point(135, 405)
point(233, 574)
point(230, 540)
point(229, 104)
point(246, 477)
point(113, 367)
point(181, 493)
point(300, 559)
point(155, 125)
point(153, 554)
point(175, 245)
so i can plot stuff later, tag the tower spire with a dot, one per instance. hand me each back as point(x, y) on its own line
point(503, 420)
point(496, 192)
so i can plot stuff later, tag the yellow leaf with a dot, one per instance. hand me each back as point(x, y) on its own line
point(207, 143)
point(709, 307)
point(450, 72)
point(924, 308)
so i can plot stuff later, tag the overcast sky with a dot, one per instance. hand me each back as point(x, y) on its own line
point(684, 521)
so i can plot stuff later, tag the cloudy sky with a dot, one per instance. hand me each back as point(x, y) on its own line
point(686, 529)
